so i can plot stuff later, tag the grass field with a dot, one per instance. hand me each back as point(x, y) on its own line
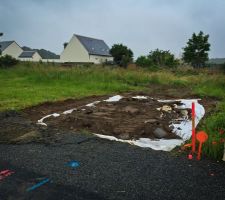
point(30, 84)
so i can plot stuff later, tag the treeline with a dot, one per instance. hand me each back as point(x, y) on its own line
point(195, 53)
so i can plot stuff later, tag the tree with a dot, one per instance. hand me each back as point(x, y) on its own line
point(143, 61)
point(122, 54)
point(162, 58)
point(196, 51)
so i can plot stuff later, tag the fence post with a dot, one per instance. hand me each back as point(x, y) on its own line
point(224, 152)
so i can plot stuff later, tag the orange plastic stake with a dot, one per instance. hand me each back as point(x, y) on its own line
point(193, 126)
point(201, 137)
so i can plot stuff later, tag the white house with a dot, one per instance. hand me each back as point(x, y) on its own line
point(30, 56)
point(81, 49)
point(10, 48)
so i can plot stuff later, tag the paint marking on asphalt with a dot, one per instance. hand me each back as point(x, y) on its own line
point(38, 185)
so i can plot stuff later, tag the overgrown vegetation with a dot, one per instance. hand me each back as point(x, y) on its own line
point(32, 83)
point(157, 59)
point(215, 126)
point(7, 61)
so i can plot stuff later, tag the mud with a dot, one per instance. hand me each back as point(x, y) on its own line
point(127, 119)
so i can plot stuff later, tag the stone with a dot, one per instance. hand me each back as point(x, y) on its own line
point(160, 133)
point(151, 121)
point(166, 108)
point(131, 110)
point(124, 136)
point(88, 111)
point(184, 113)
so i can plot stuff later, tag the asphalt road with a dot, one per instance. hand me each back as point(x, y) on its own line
point(107, 170)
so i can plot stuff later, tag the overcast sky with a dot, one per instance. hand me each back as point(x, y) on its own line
point(142, 25)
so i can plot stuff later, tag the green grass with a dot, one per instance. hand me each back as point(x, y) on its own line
point(214, 125)
point(30, 84)
point(25, 86)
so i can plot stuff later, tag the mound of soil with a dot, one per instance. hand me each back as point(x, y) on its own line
point(128, 118)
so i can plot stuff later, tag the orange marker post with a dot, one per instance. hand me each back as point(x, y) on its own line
point(193, 126)
point(201, 137)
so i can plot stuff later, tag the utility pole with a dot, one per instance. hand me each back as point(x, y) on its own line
point(1, 34)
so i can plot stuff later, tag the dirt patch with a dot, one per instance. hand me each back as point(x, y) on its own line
point(126, 119)
point(14, 126)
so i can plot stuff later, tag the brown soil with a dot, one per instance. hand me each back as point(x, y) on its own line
point(128, 118)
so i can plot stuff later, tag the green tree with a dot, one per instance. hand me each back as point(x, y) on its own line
point(122, 54)
point(162, 58)
point(143, 61)
point(196, 51)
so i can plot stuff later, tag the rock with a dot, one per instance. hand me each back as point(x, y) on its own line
point(160, 133)
point(131, 110)
point(168, 128)
point(165, 108)
point(174, 105)
point(151, 121)
point(184, 113)
point(88, 111)
point(124, 136)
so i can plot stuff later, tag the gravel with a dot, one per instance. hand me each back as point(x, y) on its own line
point(108, 170)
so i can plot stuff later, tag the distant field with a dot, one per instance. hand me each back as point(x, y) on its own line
point(31, 84)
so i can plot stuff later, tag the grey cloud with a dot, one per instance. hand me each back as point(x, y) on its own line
point(142, 25)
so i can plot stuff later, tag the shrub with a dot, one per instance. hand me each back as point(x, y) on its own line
point(7, 61)
point(158, 58)
point(143, 61)
point(122, 54)
point(163, 58)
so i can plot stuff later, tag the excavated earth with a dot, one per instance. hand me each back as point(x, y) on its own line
point(128, 118)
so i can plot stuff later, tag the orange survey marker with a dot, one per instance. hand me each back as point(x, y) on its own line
point(201, 137)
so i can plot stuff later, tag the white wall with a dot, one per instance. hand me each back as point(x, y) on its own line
point(100, 59)
point(13, 50)
point(51, 60)
point(74, 52)
point(35, 58)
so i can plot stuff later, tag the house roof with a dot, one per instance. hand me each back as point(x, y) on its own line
point(94, 46)
point(27, 54)
point(5, 44)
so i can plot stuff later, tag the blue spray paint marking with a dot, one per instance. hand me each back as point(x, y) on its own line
point(38, 185)
point(73, 164)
